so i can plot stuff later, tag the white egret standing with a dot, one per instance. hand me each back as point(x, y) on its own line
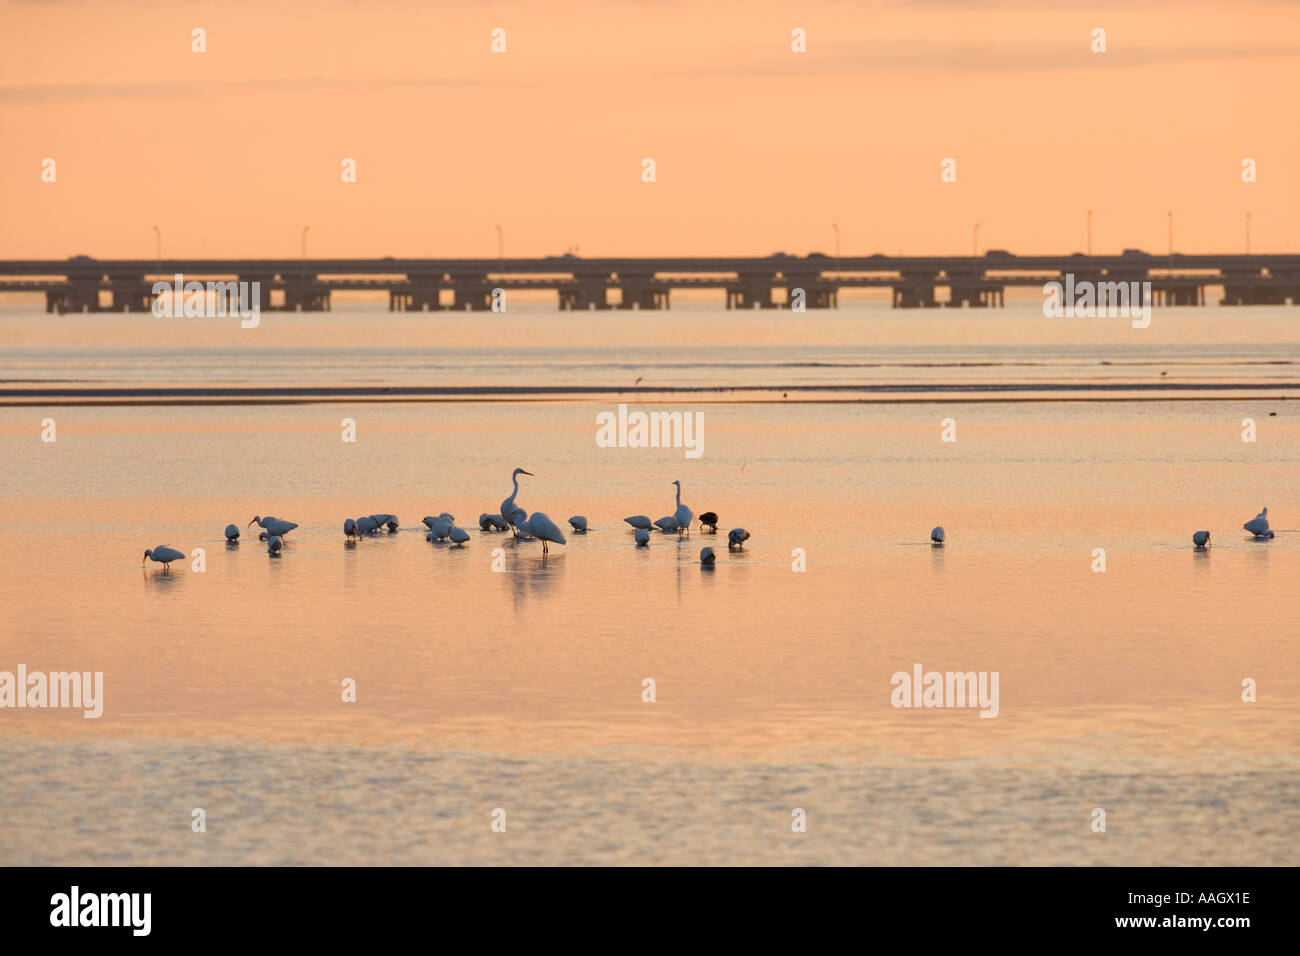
point(232, 532)
point(274, 544)
point(937, 535)
point(1201, 539)
point(707, 557)
point(579, 524)
point(642, 536)
point(639, 521)
point(1258, 526)
point(667, 524)
point(508, 506)
point(544, 529)
point(683, 514)
point(459, 536)
point(737, 537)
point(163, 555)
point(365, 525)
point(349, 527)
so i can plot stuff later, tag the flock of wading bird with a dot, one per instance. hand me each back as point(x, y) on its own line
point(512, 518)
point(539, 527)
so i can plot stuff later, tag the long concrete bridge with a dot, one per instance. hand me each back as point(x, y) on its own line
point(84, 284)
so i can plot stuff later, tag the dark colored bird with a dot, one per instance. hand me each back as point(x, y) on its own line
point(709, 520)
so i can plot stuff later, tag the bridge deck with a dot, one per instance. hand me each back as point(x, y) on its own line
point(76, 284)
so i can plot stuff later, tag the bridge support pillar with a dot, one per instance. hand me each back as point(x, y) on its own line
point(914, 297)
point(750, 296)
point(1245, 293)
point(583, 297)
point(306, 298)
point(1178, 295)
point(422, 297)
point(130, 294)
point(80, 295)
point(476, 298)
point(643, 297)
point(976, 297)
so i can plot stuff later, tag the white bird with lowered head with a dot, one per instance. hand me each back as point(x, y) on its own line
point(539, 526)
point(1258, 525)
point(274, 526)
point(163, 555)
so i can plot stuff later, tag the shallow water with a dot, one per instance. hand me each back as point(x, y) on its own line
point(696, 344)
point(522, 688)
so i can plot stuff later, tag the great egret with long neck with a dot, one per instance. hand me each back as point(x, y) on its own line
point(508, 506)
point(683, 514)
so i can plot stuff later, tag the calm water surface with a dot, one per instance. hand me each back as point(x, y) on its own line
point(522, 688)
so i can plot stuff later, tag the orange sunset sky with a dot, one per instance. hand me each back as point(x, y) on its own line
point(232, 151)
